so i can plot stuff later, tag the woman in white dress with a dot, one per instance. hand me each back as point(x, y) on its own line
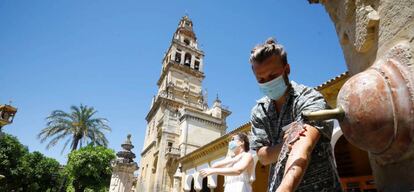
point(238, 168)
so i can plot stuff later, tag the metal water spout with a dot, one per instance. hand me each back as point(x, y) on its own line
point(375, 109)
point(337, 113)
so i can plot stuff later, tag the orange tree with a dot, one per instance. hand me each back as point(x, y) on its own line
point(90, 168)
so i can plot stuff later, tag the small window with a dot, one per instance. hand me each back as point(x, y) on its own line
point(197, 65)
point(170, 146)
point(187, 42)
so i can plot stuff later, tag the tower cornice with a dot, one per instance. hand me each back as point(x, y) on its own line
point(162, 100)
point(188, 48)
point(180, 67)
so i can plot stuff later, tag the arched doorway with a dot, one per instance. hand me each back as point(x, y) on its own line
point(353, 167)
point(205, 186)
point(192, 185)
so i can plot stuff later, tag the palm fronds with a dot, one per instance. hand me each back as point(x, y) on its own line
point(79, 127)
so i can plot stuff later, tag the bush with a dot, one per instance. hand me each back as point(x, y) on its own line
point(25, 171)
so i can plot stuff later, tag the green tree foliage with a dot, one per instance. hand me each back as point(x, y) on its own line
point(11, 151)
point(41, 172)
point(79, 127)
point(26, 171)
point(90, 168)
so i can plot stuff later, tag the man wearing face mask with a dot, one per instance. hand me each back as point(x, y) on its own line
point(310, 164)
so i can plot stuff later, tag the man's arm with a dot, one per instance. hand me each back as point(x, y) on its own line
point(298, 159)
point(260, 141)
point(268, 154)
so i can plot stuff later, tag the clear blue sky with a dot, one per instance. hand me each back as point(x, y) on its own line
point(107, 54)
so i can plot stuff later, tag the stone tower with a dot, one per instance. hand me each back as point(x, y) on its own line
point(179, 120)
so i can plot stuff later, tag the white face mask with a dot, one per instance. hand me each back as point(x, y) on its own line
point(274, 89)
point(232, 145)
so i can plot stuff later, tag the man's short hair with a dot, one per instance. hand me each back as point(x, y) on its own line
point(263, 51)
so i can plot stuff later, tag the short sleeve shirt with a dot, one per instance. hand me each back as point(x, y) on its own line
point(321, 174)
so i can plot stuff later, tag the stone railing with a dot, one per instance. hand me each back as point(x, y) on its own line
point(172, 151)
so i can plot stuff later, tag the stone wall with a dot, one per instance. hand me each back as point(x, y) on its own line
point(377, 33)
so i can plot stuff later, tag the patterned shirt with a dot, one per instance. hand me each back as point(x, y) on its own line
point(321, 174)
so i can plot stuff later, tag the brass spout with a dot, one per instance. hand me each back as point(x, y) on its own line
point(337, 113)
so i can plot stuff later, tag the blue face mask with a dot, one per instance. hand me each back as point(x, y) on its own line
point(274, 89)
point(232, 145)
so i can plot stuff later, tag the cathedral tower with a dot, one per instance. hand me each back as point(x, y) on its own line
point(179, 120)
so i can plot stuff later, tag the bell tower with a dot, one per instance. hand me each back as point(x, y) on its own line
point(182, 67)
point(179, 120)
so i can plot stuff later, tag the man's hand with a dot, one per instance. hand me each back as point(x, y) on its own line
point(295, 138)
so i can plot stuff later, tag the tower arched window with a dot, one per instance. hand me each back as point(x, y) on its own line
point(187, 59)
point(177, 57)
point(197, 65)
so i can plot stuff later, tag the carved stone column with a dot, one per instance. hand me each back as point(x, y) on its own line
point(177, 181)
point(123, 168)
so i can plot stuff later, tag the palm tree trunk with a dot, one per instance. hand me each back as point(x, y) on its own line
point(74, 146)
point(75, 143)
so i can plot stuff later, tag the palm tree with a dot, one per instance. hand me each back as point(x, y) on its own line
point(79, 127)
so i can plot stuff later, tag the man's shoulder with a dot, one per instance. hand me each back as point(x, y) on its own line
point(304, 92)
point(264, 99)
point(257, 108)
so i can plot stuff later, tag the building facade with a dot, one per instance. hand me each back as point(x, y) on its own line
point(179, 113)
